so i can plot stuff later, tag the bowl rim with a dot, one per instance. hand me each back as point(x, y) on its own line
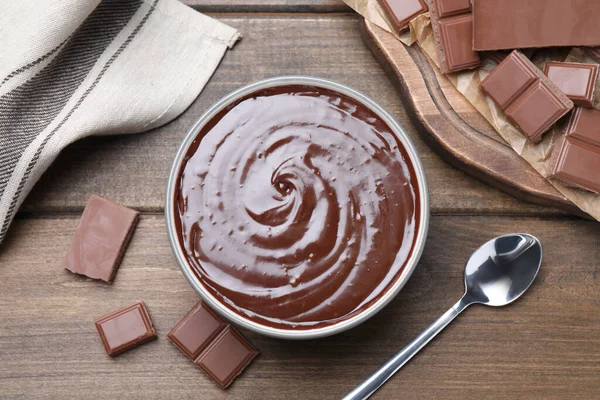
point(345, 324)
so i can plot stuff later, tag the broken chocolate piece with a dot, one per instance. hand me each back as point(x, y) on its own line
point(584, 125)
point(536, 110)
point(100, 239)
point(576, 80)
point(514, 24)
point(213, 345)
point(196, 330)
point(526, 95)
point(125, 329)
point(577, 165)
point(400, 12)
point(227, 356)
point(576, 158)
point(453, 30)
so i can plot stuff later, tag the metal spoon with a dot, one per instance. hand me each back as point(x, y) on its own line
point(498, 273)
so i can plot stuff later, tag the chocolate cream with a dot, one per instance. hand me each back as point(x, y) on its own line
point(297, 207)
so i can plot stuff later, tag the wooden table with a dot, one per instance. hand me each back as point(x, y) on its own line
point(545, 346)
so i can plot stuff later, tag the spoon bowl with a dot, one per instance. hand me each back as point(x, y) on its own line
point(501, 270)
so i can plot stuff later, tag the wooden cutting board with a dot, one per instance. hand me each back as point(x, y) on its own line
point(453, 127)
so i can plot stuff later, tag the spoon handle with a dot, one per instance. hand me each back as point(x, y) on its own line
point(391, 366)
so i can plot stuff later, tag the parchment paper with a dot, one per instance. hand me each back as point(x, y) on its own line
point(468, 83)
point(538, 155)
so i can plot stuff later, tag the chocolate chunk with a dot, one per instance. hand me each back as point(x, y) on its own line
point(100, 239)
point(514, 24)
point(213, 345)
point(226, 357)
point(526, 95)
point(584, 126)
point(196, 330)
point(536, 110)
point(125, 329)
point(577, 165)
point(453, 30)
point(400, 12)
point(576, 158)
point(576, 80)
point(509, 80)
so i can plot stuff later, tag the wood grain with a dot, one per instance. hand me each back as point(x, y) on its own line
point(288, 6)
point(453, 127)
point(545, 346)
point(133, 169)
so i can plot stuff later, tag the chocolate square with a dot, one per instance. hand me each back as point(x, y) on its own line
point(526, 95)
point(508, 80)
point(536, 111)
point(576, 158)
point(585, 125)
point(447, 8)
point(452, 25)
point(577, 164)
point(226, 357)
point(576, 80)
point(125, 329)
point(400, 12)
point(214, 346)
point(456, 33)
point(196, 330)
point(100, 239)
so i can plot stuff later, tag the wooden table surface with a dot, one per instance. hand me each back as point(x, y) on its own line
point(546, 346)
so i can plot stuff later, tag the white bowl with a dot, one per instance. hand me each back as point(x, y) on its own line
point(345, 324)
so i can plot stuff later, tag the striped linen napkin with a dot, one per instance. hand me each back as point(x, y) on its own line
point(75, 68)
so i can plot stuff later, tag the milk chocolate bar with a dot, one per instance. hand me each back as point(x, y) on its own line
point(400, 12)
point(452, 24)
point(528, 98)
point(214, 346)
point(125, 329)
point(576, 80)
point(514, 24)
point(576, 158)
point(100, 239)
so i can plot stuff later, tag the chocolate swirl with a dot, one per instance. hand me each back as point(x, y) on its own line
point(297, 207)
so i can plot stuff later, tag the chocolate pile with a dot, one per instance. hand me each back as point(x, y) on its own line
point(96, 250)
point(532, 99)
